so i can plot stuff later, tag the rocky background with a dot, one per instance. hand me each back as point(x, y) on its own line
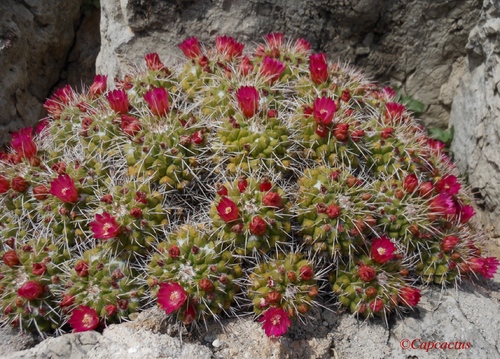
point(444, 53)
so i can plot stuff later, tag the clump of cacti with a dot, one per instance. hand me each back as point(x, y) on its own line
point(268, 180)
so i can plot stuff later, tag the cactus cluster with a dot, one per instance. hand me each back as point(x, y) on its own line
point(269, 180)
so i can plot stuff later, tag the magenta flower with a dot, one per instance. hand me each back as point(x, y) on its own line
point(30, 290)
point(191, 48)
point(83, 319)
point(276, 322)
point(105, 226)
point(435, 145)
point(302, 46)
point(118, 101)
point(447, 184)
point(171, 296)
point(22, 142)
point(466, 213)
point(157, 100)
point(63, 187)
point(318, 68)
point(228, 47)
point(245, 66)
point(389, 92)
point(153, 61)
point(64, 94)
point(382, 250)
point(323, 110)
point(228, 210)
point(42, 125)
point(487, 267)
point(99, 86)
point(442, 204)
point(275, 39)
point(449, 242)
point(394, 110)
point(53, 107)
point(257, 226)
point(271, 68)
point(248, 100)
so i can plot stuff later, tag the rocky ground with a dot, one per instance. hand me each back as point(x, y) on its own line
point(470, 314)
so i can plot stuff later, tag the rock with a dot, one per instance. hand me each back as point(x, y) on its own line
point(35, 41)
point(475, 115)
point(470, 315)
point(414, 44)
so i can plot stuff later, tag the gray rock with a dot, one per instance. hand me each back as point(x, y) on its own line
point(414, 44)
point(35, 39)
point(475, 114)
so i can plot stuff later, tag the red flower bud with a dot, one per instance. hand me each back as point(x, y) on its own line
point(258, 226)
point(30, 290)
point(10, 258)
point(19, 184)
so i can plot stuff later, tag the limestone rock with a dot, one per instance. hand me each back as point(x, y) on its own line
point(35, 38)
point(410, 44)
point(475, 114)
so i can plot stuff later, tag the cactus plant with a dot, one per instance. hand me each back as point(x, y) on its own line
point(236, 179)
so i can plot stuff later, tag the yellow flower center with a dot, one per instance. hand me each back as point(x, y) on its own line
point(228, 210)
point(276, 319)
point(87, 319)
point(64, 190)
point(381, 251)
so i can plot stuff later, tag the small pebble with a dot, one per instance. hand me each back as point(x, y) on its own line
point(325, 323)
point(216, 343)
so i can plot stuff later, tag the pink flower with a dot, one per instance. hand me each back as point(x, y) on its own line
point(118, 101)
point(4, 184)
point(228, 210)
point(382, 250)
point(64, 94)
point(248, 100)
point(191, 48)
point(318, 68)
point(53, 107)
point(153, 62)
point(275, 39)
point(171, 296)
point(302, 46)
point(105, 226)
point(42, 125)
point(393, 110)
point(442, 204)
point(389, 92)
point(466, 213)
point(22, 143)
point(245, 66)
point(157, 100)
point(435, 145)
point(447, 184)
point(30, 290)
point(410, 296)
point(487, 267)
point(99, 86)
point(271, 69)
point(323, 110)
point(228, 47)
point(63, 187)
point(276, 322)
point(83, 319)
point(258, 226)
